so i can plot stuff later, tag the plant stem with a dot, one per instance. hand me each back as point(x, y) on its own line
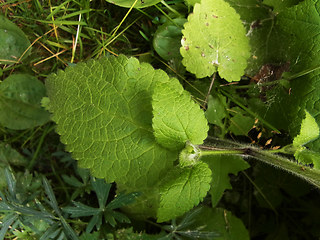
point(310, 175)
point(221, 152)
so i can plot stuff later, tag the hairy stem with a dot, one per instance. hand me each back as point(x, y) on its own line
point(308, 174)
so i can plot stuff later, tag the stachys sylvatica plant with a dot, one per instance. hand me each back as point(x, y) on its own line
point(136, 126)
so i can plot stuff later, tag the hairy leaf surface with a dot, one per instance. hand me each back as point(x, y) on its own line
point(214, 39)
point(221, 166)
point(182, 189)
point(104, 116)
point(20, 97)
point(176, 117)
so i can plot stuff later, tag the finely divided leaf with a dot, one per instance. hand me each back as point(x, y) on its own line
point(221, 166)
point(104, 115)
point(182, 189)
point(176, 117)
point(20, 97)
point(214, 39)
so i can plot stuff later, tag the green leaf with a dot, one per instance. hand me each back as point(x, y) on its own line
point(102, 190)
point(221, 166)
point(216, 110)
point(138, 3)
point(304, 48)
point(306, 156)
point(284, 106)
point(6, 223)
point(192, 2)
point(49, 191)
point(182, 189)
point(221, 221)
point(104, 116)
point(167, 39)
point(20, 97)
point(13, 42)
point(240, 124)
point(214, 39)
point(129, 234)
point(309, 131)
point(266, 47)
point(186, 226)
point(279, 6)
point(81, 210)
point(176, 117)
point(68, 231)
point(90, 236)
point(271, 183)
point(122, 200)
point(9, 155)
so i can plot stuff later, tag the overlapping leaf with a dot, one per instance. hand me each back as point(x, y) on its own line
point(166, 40)
point(20, 97)
point(221, 166)
point(182, 189)
point(268, 44)
point(288, 106)
point(309, 131)
point(103, 110)
point(13, 42)
point(305, 18)
point(222, 222)
point(214, 39)
point(104, 116)
point(279, 6)
point(176, 117)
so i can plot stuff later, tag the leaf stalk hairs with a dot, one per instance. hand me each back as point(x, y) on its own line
point(190, 155)
point(310, 175)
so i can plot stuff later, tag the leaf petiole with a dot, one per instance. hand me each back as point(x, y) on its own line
point(220, 152)
point(310, 175)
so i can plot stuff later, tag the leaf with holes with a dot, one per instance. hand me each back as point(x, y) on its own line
point(214, 39)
